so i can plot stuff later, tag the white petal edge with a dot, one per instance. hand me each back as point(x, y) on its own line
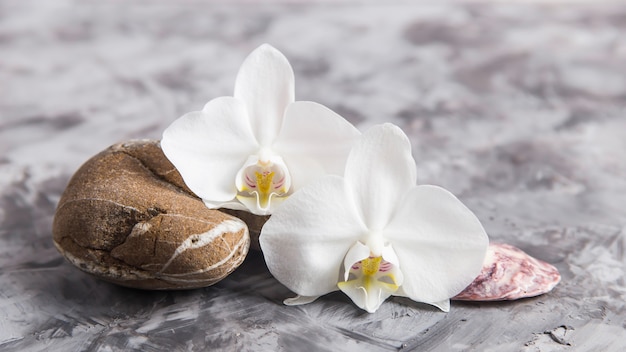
point(306, 239)
point(299, 300)
point(439, 242)
point(265, 82)
point(314, 141)
point(208, 147)
point(443, 305)
point(379, 171)
point(235, 205)
point(390, 255)
point(356, 253)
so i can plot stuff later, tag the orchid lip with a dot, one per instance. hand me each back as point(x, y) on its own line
point(371, 280)
point(263, 178)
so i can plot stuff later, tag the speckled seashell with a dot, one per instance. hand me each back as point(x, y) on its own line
point(509, 273)
point(127, 217)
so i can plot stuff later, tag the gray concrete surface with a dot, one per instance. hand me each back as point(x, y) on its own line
point(518, 108)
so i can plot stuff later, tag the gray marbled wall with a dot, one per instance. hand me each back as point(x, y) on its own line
point(519, 109)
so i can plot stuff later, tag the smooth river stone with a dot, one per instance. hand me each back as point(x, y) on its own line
point(509, 273)
point(255, 224)
point(127, 217)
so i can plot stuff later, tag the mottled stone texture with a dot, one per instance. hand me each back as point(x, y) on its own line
point(126, 217)
point(255, 224)
point(516, 107)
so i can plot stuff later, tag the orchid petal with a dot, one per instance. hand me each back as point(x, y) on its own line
point(208, 148)
point(235, 205)
point(440, 244)
point(299, 300)
point(357, 252)
point(390, 255)
point(307, 237)
point(265, 82)
point(314, 141)
point(443, 305)
point(379, 171)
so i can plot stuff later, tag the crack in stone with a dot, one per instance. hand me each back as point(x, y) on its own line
point(153, 172)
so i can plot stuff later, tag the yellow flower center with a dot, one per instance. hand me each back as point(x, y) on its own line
point(372, 273)
point(370, 265)
point(264, 181)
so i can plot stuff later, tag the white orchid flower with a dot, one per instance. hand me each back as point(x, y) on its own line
point(252, 150)
point(374, 233)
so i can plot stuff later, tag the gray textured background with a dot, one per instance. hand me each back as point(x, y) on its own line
point(519, 109)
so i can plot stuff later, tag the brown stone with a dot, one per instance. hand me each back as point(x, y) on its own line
point(255, 224)
point(127, 217)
